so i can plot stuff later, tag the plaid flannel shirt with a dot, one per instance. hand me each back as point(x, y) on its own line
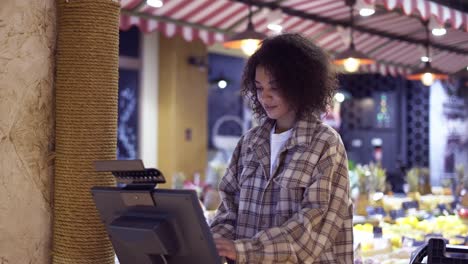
point(302, 213)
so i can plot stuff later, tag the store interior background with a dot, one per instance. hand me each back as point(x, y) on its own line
point(169, 105)
point(414, 125)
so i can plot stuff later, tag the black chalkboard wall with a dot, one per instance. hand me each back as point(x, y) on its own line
point(391, 110)
point(129, 81)
point(227, 101)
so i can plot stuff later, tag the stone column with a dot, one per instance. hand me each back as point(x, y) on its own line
point(27, 44)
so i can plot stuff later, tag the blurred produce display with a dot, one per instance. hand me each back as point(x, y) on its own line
point(399, 239)
point(389, 227)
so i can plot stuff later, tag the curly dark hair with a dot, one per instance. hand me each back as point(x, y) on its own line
point(302, 72)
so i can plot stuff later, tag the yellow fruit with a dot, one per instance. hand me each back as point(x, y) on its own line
point(367, 246)
point(396, 241)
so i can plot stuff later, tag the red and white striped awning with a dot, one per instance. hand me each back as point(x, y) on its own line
point(170, 29)
point(211, 21)
point(426, 9)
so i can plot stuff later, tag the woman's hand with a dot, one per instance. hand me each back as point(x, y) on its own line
point(225, 248)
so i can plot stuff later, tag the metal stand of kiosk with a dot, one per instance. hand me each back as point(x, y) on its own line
point(438, 252)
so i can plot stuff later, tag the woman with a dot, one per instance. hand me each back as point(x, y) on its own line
point(285, 195)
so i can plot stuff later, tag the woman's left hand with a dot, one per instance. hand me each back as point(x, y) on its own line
point(225, 248)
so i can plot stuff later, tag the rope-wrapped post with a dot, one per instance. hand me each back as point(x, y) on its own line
point(86, 125)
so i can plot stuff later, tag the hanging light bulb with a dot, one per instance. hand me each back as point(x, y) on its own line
point(247, 40)
point(351, 64)
point(351, 59)
point(249, 46)
point(427, 75)
point(427, 79)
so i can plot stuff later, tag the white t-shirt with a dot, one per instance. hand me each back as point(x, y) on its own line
point(277, 141)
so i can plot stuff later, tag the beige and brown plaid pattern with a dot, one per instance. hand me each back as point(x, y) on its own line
point(302, 213)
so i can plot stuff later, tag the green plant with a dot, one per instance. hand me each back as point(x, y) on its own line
point(362, 174)
point(412, 178)
point(378, 176)
point(368, 178)
point(351, 165)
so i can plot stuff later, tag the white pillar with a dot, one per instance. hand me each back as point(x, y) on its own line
point(148, 112)
point(437, 132)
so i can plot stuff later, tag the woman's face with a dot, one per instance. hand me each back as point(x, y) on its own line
point(269, 95)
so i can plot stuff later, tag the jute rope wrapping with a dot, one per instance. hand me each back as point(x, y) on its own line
point(86, 125)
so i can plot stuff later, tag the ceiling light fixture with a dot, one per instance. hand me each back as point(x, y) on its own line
point(275, 27)
point(222, 84)
point(274, 19)
point(351, 58)
point(439, 31)
point(155, 3)
point(364, 8)
point(339, 97)
point(365, 12)
point(427, 75)
point(425, 58)
point(247, 40)
point(436, 28)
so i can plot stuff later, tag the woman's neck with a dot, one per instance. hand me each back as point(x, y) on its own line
point(283, 125)
point(286, 121)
